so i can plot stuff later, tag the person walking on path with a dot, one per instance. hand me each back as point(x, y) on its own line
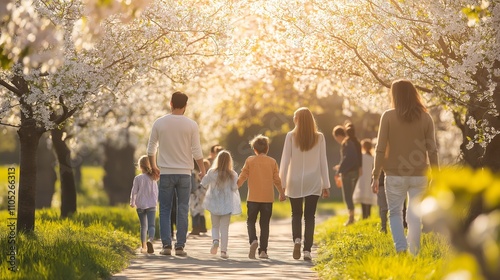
point(177, 140)
point(304, 175)
point(350, 164)
point(196, 202)
point(222, 200)
point(406, 140)
point(262, 174)
point(362, 192)
point(143, 197)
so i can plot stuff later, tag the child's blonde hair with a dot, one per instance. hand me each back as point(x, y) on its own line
point(145, 166)
point(223, 163)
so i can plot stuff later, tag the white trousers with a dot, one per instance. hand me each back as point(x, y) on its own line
point(220, 229)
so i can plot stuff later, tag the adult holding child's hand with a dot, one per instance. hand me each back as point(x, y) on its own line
point(304, 175)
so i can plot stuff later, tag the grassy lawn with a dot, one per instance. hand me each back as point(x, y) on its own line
point(360, 251)
point(100, 240)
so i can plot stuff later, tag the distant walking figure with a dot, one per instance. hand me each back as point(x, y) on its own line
point(222, 200)
point(406, 140)
point(350, 164)
point(177, 140)
point(362, 192)
point(304, 175)
point(143, 197)
point(263, 176)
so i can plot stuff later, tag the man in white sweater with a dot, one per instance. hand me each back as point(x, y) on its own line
point(177, 140)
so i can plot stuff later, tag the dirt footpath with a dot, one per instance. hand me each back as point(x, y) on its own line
point(200, 264)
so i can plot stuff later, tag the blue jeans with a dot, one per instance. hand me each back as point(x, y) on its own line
point(397, 188)
point(147, 219)
point(178, 185)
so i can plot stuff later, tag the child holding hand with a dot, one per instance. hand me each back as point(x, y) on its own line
point(222, 199)
point(143, 197)
point(262, 173)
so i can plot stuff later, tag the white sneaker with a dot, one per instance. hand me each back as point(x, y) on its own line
point(263, 255)
point(215, 246)
point(307, 256)
point(253, 248)
point(144, 251)
point(296, 249)
point(224, 255)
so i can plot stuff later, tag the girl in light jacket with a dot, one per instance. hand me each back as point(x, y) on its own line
point(304, 175)
point(222, 199)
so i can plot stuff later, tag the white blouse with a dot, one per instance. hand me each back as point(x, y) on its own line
point(221, 200)
point(304, 173)
point(144, 192)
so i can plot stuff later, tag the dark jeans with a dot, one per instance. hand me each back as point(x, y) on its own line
point(349, 180)
point(366, 210)
point(308, 211)
point(265, 210)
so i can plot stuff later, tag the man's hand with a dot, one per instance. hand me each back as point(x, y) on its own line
point(156, 173)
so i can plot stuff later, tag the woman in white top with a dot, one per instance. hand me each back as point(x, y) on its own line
point(304, 175)
point(222, 199)
point(144, 196)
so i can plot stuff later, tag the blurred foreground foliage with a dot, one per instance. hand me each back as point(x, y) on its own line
point(464, 205)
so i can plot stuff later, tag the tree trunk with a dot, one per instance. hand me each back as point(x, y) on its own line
point(29, 136)
point(119, 173)
point(66, 175)
point(46, 175)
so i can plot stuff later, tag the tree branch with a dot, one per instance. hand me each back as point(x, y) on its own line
point(10, 87)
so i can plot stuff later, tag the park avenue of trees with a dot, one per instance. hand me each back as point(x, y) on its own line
point(99, 72)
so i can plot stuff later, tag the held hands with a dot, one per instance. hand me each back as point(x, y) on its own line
point(282, 197)
point(156, 173)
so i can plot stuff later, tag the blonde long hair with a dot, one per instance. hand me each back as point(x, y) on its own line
point(145, 166)
point(223, 163)
point(406, 100)
point(306, 131)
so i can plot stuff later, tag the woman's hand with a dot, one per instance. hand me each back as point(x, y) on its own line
point(325, 193)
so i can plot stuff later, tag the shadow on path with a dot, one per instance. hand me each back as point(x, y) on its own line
point(200, 264)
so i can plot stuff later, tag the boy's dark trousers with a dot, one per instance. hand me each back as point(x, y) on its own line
point(266, 210)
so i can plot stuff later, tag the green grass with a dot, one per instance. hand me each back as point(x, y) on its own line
point(68, 249)
point(360, 251)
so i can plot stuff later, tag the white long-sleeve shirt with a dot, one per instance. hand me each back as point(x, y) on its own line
point(177, 140)
point(144, 193)
point(304, 173)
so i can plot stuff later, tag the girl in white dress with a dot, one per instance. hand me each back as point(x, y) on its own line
point(362, 192)
point(222, 199)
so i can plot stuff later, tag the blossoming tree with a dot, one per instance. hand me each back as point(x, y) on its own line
point(453, 59)
point(89, 54)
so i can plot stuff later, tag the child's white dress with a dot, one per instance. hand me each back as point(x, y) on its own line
point(221, 200)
